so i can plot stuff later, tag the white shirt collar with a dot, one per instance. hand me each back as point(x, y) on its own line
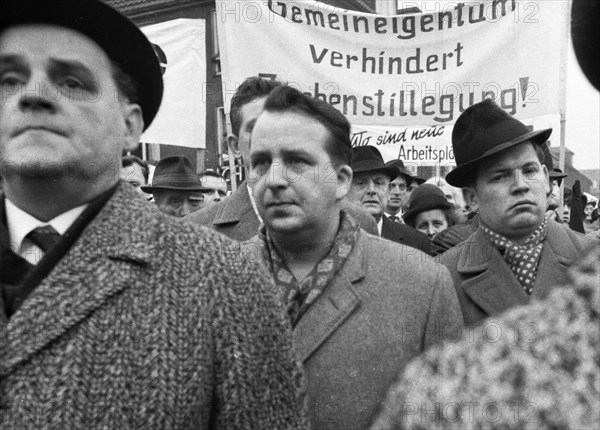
point(20, 223)
point(380, 225)
point(253, 203)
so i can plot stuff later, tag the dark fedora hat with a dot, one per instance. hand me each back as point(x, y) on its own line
point(120, 39)
point(425, 198)
point(585, 15)
point(369, 159)
point(175, 173)
point(399, 164)
point(549, 163)
point(558, 175)
point(482, 130)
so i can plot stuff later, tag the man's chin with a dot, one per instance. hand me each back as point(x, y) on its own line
point(526, 224)
point(284, 225)
point(35, 170)
point(373, 209)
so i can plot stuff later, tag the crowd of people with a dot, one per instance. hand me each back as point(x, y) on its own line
point(330, 290)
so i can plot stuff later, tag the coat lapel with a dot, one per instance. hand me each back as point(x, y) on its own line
point(97, 267)
point(558, 254)
point(238, 210)
point(333, 306)
point(490, 283)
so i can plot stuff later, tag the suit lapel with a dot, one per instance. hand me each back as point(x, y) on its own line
point(332, 308)
point(490, 282)
point(97, 267)
point(389, 232)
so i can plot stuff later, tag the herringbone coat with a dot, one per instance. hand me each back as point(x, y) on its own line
point(148, 323)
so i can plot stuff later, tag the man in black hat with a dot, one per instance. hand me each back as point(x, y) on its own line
point(114, 315)
point(176, 188)
point(361, 307)
point(516, 253)
point(370, 190)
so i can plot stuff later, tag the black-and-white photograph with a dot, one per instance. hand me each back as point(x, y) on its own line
point(299, 214)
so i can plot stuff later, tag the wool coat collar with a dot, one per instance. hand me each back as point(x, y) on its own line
point(492, 285)
point(332, 308)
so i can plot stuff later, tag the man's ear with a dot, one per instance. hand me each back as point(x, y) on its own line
point(134, 126)
point(547, 179)
point(233, 145)
point(470, 196)
point(344, 181)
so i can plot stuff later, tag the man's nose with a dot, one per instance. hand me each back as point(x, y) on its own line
point(371, 188)
point(277, 176)
point(520, 182)
point(185, 209)
point(216, 196)
point(38, 94)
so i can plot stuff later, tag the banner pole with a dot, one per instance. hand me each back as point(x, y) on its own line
point(231, 156)
point(564, 49)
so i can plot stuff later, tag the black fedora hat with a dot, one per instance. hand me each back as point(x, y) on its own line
point(549, 163)
point(482, 130)
point(399, 164)
point(585, 15)
point(369, 159)
point(120, 39)
point(175, 173)
point(424, 198)
point(558, 175)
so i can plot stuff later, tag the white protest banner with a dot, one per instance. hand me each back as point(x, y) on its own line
point(430, 145)
point(181, 120)
point(410, 73)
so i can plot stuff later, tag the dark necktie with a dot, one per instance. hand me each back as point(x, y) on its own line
point(394, 218)
point(44, 237)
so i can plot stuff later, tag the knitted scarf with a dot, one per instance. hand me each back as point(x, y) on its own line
point(299, 295)
point(522, 259)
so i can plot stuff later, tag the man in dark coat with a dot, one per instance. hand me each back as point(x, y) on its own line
point(370, 191)
point(237, 217)
point(516, 252)
point(112, 314)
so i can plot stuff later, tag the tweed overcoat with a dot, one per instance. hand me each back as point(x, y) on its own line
point(235, 216)
point(404, 235)
point(387, 304)
point(485, 284)
point(149, 323)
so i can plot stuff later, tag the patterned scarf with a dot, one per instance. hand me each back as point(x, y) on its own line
point(299, 295)
point(522, 259)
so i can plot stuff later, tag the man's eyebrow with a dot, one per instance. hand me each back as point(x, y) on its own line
point(250, 125)
point(72, 66)
point(11, 60)
point(296, 153)
point(530, 163)
point(258, 155)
